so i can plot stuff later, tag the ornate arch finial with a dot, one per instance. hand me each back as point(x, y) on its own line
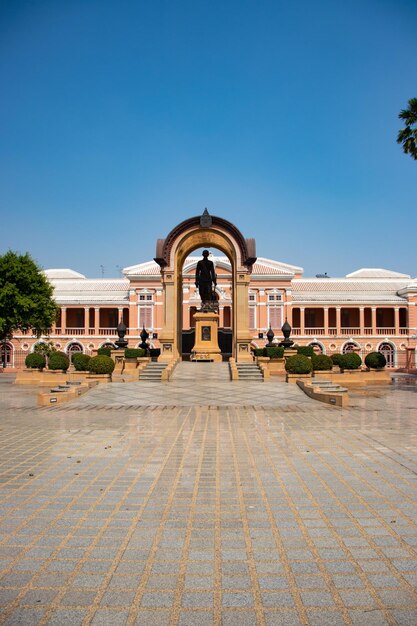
point(206, 219)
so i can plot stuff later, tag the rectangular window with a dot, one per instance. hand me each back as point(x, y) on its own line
point(145, 317)
point(251, 297)
point(274, 297)
point(275, 317)
point(252, 317)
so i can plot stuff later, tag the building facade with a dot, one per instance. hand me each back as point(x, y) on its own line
point(367, 310)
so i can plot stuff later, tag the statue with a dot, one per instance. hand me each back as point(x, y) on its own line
point(205, 278)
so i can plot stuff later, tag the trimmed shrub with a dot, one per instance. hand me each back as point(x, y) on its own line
point(101, 364)
point(298, 364)
point(35, 361)
point(350, 361)
point(258, 352)
point(336, 358)
point(277, 352)
point(81, 361)
point(154, 352)
point(375, 360)
point(133, 353)
point(58, 361)
point(104, 352)
point(305, 350)
point(321, 362)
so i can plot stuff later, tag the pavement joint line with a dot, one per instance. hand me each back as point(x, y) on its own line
point(5, 614)
point(377, 549)
point(176, 607)
point(260, 619)
point(290, 575)
point(335, 592)
point(217, 529)
point(390, 530)
point(348, 473)
point(134, 608)
point(392, 486)
point(27, 520)
point(100, 592)
point(37, 476)
point(382, 463)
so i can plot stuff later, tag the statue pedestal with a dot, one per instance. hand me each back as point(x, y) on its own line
point(206, 347)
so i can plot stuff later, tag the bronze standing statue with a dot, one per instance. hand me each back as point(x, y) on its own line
point(205, 279)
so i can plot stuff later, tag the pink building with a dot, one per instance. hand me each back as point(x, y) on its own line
point(367, 310)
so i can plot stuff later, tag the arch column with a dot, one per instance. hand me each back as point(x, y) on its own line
point(167, 336)
point(241, 317)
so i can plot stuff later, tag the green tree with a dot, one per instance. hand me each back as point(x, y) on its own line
point(26, 301)
point(408, 135)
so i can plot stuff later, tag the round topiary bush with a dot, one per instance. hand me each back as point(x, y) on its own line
point(305, 350)
point(58, 361)
point(80, 361)
point(375, 360)
point(336, 359)
point(35, 361)
point(350, 361)
point(101, 364)
point(298, 364)
point(321, 362)
point(133, 353)
point(104, 352)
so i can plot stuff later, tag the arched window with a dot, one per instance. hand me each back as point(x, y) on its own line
point(108, 344)
point(73, 348)
point(350, 346)
point(387, 349)
point(6, 355)
point(317, 347)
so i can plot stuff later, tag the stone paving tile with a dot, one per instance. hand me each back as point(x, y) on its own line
point(144, 505)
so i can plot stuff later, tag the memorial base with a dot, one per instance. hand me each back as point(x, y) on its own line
point(206, 347)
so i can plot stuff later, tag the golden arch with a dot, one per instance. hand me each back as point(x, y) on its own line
point(171, 254)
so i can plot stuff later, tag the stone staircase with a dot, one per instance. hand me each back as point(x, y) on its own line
point(327, 386)
point(250, 371)
point(152, 372)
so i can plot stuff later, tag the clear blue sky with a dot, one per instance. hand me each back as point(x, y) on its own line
point(118, 119)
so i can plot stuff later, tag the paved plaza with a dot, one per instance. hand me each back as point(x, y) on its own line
point(202, 501)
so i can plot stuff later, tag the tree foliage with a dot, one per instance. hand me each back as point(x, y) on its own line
point(408, 135)
point(26, 301)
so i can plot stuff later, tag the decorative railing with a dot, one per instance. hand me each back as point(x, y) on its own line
point(347, 331)
point(74, 331)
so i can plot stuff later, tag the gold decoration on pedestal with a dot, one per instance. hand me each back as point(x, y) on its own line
point(206, 347)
